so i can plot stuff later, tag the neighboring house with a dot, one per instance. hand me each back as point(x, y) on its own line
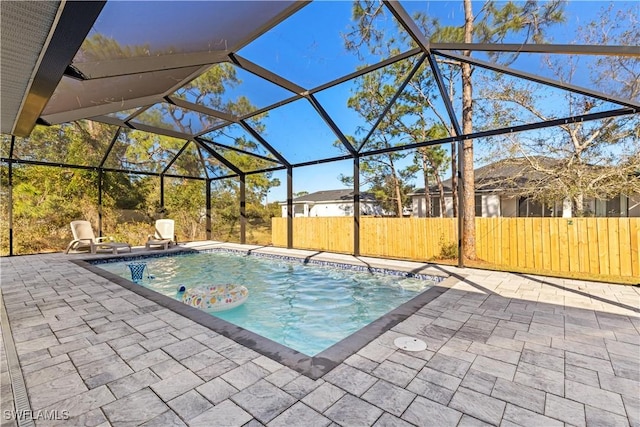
point(496, 191)
point(332, 203)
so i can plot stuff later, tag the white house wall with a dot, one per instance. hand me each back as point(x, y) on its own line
point(507, 206)
point(419, 206)
point(343, 209)
point(331, 209)
point(327, 209)
point(490, 206)
point(448, 204)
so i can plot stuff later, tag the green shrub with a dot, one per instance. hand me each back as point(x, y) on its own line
point(448, 250)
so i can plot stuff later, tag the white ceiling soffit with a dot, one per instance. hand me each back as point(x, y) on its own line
point(25, 28)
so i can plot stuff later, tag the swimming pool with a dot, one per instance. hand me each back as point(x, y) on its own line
point(305, 307)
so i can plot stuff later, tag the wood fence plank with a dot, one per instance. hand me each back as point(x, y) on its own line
point(603, 245)
point(634, 234)
point(489, 238)
point(583, 244)
point(600, 246)
point(513, 241)
point(410, 236)
point(496, 234)
point(536, 236)
point(480, 250)
point(383, 236)
point(278, 234)
point(488, 243)
point(439, 230)
point(614, 246)
point(563, 233)
point(451, 234)
point(593, 243)
point(367, 229)
point(554, 245)
point(373, 239)
point(493, 239)
point(443, 232)
point(416, 238)
point(574, 257)
point(402, 236)
point(545, 235)
point(348, 241)
point(420, 232)
point(624, 236)
point(522, 242)
point(430, 240)
point(298, 238)
point(479, 240)
point(530, 247)
point(505, 231)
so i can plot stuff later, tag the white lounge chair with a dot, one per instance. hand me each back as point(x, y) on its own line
point(164, 235)
point(84, 238)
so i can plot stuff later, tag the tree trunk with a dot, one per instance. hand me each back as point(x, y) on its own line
point(434, 167)
point(468, 224)
point(396, 188)
point(427, 193)
point(579, 205)
point(454, 179)
point(454, 163)
point(443, 205)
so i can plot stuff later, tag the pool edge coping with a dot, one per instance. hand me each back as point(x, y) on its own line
point(313, 367)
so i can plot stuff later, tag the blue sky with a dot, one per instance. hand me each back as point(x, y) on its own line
point(308, 49)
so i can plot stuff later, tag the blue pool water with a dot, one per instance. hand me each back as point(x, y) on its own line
point(306, 307)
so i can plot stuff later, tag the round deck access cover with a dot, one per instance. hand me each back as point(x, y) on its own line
point(410, 344)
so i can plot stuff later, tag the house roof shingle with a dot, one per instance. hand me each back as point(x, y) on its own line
point(503, 174)
point(341, 195)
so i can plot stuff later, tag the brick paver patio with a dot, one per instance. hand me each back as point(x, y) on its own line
point(502, 349)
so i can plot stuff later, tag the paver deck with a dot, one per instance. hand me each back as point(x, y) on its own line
point(502, 349)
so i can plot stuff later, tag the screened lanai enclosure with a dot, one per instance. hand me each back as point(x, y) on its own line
point(211, 112)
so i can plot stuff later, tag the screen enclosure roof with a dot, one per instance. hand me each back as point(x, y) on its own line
point(145, 67)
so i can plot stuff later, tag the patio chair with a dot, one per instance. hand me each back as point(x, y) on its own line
point(164, 235)
point(84, 238)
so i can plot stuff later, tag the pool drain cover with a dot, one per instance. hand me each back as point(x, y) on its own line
point(410, 344)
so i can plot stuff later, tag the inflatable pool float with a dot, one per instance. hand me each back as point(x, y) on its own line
point(215, 297)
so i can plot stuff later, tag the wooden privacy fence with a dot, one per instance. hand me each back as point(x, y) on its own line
point(332, 234)
point(596, 246)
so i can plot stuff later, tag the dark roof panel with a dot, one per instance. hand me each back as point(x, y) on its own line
point(127, 29)
point(76, 99)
